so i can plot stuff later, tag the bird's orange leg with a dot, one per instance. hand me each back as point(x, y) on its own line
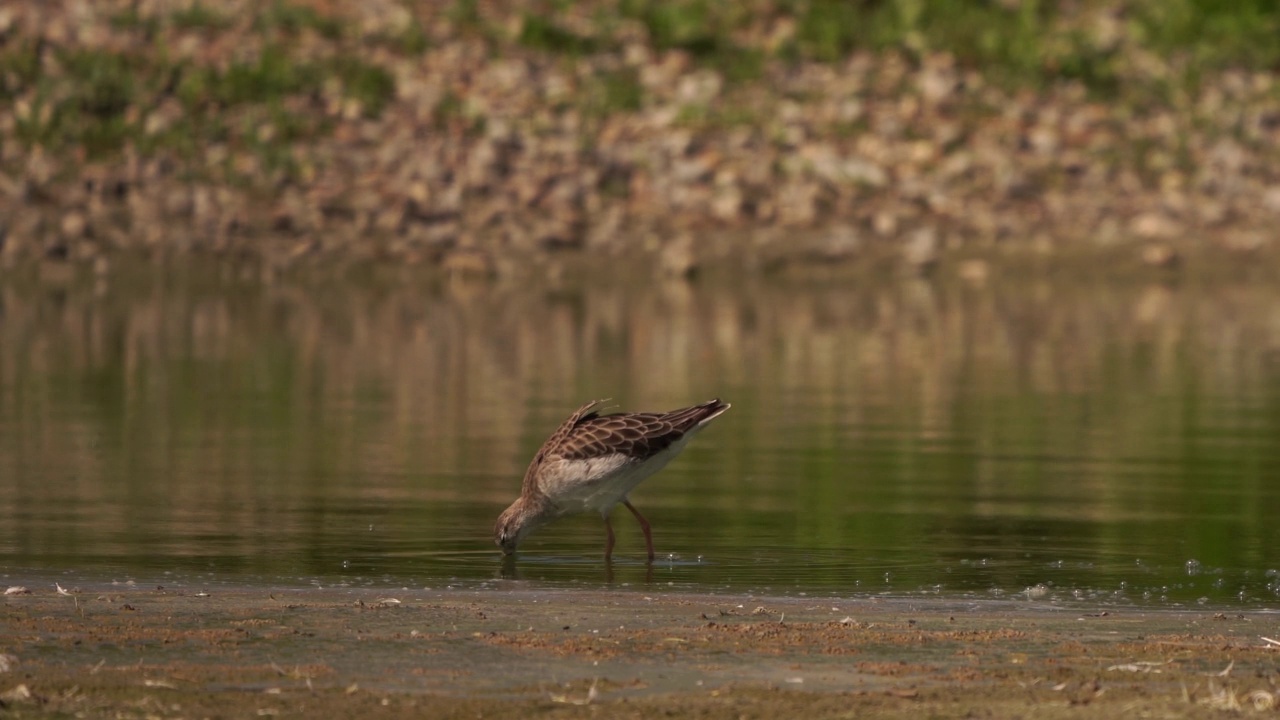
point(644, 525)
point(608, 545)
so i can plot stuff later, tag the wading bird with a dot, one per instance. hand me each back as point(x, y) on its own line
point(592, 461)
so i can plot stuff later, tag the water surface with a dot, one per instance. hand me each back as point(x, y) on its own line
point(1114, 443)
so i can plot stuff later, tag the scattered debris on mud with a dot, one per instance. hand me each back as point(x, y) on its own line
point(257, 651)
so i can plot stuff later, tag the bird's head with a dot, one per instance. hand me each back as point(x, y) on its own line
point(510, 529)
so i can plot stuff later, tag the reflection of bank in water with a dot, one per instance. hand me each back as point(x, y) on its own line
point(895, 435)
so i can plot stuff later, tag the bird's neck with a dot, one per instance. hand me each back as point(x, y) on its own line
point(534, 509)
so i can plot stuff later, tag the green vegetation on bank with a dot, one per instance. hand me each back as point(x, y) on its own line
point(99, 100)
point(1023, 42)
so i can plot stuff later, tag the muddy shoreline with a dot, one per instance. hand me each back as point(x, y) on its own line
point(182, 652)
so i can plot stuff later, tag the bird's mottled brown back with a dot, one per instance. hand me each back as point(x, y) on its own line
point(636, 435)
point(586, 434)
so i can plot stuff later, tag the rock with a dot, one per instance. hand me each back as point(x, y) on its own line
point(1154, 225)
point(864, 172)
point(1271, 199)
point(921, 249)
point(1245, 241)
point(19, 693)
point(937, 82)
point(884, 223)
point(840, 243)
point(974, 271)
point(676, 259)
point(726, 205)
point(798, 203)
point(699, 88)
point(1160, 255)
point(73, 225)
point(560, 239)
point(468, 263)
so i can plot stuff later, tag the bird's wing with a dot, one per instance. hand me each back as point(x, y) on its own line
point(636, 435)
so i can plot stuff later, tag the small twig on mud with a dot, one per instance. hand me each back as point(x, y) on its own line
point(1226, 699)
point(1270, 643)
point(1140, 666)
point(1227, 671)
point(94, 670)
point(295, 674)
point(592, 695)
point(1221, 698)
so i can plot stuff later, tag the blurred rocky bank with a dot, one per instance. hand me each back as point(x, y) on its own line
point(479, 137)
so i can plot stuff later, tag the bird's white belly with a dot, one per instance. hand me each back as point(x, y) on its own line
point(600, 483)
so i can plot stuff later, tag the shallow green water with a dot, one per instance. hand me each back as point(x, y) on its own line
point(1112, 443)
